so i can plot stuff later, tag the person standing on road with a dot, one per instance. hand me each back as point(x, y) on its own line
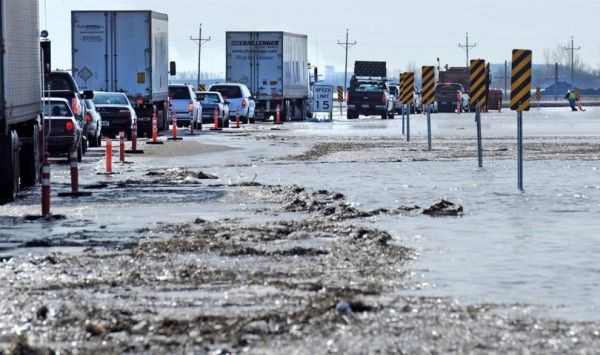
point(572, 97)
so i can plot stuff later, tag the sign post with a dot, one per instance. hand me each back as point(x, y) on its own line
point(520, 99)
point(323, 99)
point(478, 98)
point(402, 78)
point(428, 96)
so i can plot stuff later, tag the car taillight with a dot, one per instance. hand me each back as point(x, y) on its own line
point(383, 99)
point(348, 97)
point(244, 103)
point(139, 101)
point(69, 126)
point(88, 117)
point(75, 105)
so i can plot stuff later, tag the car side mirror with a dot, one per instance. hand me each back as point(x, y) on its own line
point(172, 68)
point(88, 95)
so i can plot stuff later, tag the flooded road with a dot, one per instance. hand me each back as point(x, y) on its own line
point(514, 256)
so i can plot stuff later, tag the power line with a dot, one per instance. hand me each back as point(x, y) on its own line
point(346, 46)
point(572, 49)
point(200, 42)
point(467, 47)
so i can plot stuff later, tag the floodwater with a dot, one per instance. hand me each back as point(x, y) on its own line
point(536, 248)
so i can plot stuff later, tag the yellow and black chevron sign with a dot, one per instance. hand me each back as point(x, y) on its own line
point(538, 94)
point(407, 89)
point(401, 84)
point(520, 95)
point(477, 85)
point(201, 87)
point(340, 93)
point(428, 85)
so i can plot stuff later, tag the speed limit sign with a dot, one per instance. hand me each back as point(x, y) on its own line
point(323, 98)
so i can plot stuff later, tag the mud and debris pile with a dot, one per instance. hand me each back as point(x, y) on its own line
point(209, 285)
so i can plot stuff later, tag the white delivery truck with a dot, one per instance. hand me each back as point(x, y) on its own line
point(274, 66)
point(20, 95)
point(125, 51)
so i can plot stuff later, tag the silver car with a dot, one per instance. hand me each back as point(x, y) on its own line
point(93, 124)
point(239, 98)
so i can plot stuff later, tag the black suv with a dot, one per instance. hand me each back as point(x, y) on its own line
point(370, 97)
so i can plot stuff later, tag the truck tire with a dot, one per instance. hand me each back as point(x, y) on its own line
point(30, 159)
point(9, 166)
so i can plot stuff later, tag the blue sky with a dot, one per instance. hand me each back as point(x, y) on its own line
point(398, 31)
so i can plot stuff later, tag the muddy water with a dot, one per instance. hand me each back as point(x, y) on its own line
point(534, 248)
point(240, 270)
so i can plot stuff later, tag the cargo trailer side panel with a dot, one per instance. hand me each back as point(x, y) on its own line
point(21, 73)
point(160, 56)
point(131, 53)
point(295, 64)
point(256, 59)
point(239, 59)
point(92, 46)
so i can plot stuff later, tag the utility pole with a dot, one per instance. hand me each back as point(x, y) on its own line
point(572, 49)
point(467, 47)
point(200, 42)
point(556, 78)
point(505, 77)
point(346, 45)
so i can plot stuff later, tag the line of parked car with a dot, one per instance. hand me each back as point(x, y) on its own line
point(80, 119)
point(198, 108)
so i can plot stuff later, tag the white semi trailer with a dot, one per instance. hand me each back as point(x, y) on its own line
point(20, 95)
point(274, 66)
point(125, 51)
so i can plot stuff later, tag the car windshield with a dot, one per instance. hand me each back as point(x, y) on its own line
point(370, 87)
point(179, 93)
point(449, 88)
point(59, 84)
point(228, 91)
point(110, 99)
point(57, 109)
point(208, 98)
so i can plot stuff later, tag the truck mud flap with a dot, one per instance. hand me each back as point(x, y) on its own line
point(9, 166)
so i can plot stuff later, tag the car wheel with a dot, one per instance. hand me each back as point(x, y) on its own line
point(384, 116)
point(84, 144)
point(252, 120)
point(392, 115)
